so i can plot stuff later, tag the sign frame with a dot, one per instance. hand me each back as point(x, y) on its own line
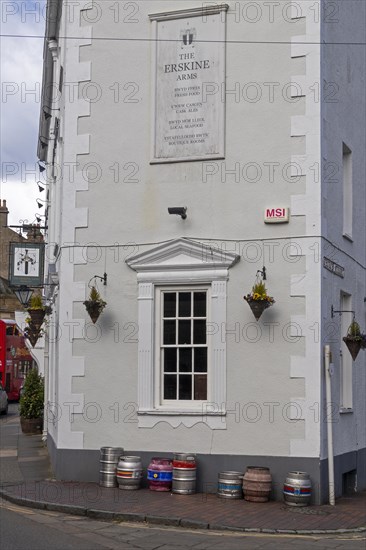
point(277, 218)
point(204, 12)
point(35, 253)
point(333, 267)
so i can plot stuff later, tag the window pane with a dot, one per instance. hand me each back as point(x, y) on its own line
point(185, 359)
point(184, 304)
point(200, 386)
point(170, 386)
point(200, 359)
point(199, 304)
point(185, 386)
point(169, 332)
point(184, 336)
point(169, 304)
point(199, 332)
point(170, 360)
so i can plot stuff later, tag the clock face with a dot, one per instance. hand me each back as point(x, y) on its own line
point(26, 261)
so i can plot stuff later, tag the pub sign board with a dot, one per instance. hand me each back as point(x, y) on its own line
point(26, 264)
point(188, 88)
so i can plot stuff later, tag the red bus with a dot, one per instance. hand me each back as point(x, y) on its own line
point(15, 358)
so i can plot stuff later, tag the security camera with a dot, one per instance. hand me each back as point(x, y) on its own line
point(179, 211)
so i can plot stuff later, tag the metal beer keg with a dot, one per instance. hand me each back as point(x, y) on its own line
point(129, 473)
point(230, 485)
point(297, 489)
point(109, 457)
point(160, 474)
point(184, 474)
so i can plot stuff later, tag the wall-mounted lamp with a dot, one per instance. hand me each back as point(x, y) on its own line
point(179, 211)
point(39, 217)
point(40, 187)
point(41, 168)
point(48, 115)
point(40, 201)
point(23, 293)
point(44, 141)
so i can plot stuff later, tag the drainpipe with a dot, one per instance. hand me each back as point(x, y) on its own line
point(53, 47)
point(328, 403)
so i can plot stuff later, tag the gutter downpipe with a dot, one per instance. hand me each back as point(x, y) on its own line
point(53, 48)
point(328, 403)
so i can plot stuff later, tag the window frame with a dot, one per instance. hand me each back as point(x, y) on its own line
point(346, 363)
point(186, 263)
point(347, 184)
point(167, 404)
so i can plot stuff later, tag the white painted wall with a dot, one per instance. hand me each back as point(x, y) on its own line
point(99, 364)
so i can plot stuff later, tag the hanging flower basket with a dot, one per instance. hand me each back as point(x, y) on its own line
point(37, 316)
point(258, 300)
point(37, 312)
point(257, 306)
point(95, 305)
point(31, 332)
point(353, 346)
point(32, 335)
point(354, 339)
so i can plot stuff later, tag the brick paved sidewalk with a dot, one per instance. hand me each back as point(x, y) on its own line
point(199, 510)
point(24, 486)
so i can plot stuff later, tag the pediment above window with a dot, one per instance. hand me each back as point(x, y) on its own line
point(183, 255)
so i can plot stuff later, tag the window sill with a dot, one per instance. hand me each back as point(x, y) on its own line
point(180, 412)
point(348, 237)
point(214, 420)
point(344, 410)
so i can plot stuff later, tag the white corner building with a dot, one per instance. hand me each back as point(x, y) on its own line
point(247, 121)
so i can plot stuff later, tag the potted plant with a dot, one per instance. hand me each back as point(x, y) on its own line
point(95, 305)
point(37, 311)
point(258, 299)
point(32, 403)
point(354, 339)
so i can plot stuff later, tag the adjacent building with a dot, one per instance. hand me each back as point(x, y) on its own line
point(9, 304)
point(191, 149)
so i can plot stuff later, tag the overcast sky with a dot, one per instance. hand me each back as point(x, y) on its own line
point(21, 80)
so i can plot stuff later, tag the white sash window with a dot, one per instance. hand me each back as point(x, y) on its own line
point(181, 355)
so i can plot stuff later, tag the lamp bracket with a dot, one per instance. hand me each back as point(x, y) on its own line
point(340, 311)
point(263, 272)
point(26, 227)
point(104, 279)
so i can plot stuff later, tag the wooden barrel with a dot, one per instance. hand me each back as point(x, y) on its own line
point(109, 457)
point(257, 484)
point(230, 485)
point(184, 474)
point(160, 474)
point(129, 473)
point(297, 489)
